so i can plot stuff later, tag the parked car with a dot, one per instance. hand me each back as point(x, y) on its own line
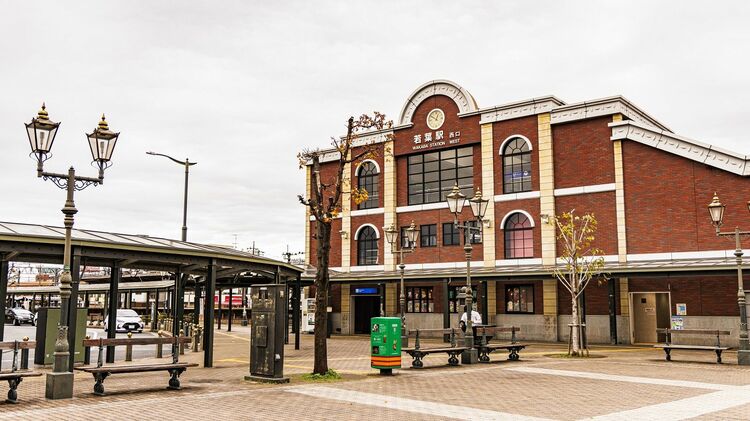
point(127, 321)
point(19, 315)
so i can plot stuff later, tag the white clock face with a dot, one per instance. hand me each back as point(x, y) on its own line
point(435, 119)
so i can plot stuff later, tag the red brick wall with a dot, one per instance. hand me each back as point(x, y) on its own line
point(583, 144)
point(525, 126)
point(531, 206)
point(358, 221)
point(596, 294)
point(704, 296)
point(440, 253)
point(666, 198)
point(335, 253)
point(602, 205)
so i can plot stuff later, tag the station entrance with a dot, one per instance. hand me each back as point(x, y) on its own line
point(365, 308)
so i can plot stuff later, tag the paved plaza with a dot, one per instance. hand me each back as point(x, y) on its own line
point(620, 383)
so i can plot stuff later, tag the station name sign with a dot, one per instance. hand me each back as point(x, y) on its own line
point(435, 139)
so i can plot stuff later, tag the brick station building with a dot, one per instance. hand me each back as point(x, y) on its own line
point(647, 186)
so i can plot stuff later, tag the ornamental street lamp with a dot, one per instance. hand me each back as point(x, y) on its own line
point(716, 211)
point(187, 164)
point(391, 235)
point(102, 141)
point(456, 201)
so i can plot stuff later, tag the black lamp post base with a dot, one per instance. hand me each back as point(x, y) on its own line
point(470, 356)
point(743, 357)
point(59, 386)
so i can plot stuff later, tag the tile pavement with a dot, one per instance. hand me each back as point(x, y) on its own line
point(485, 391)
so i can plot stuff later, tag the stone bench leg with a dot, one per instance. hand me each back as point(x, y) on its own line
point(99, 385)
point(718, 356)
point(12, 392)
point(174, 379)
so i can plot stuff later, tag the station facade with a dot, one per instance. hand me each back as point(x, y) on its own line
point(647, 187)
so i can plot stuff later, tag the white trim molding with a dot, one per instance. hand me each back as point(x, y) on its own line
point(517, 196)
point(518, 262)
point(681, 255)
point(604, 106)
point(511, 137)
point(459, 95)
point(595, 188)
point(367, 268)
point(356, 233)
point(528, 215)
point(424, 207)
point(356, 170)
point(445, 265)
point(365, 212)
point(682, 146)
point(519, 109)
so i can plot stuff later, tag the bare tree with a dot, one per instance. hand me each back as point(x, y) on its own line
point(325, 206)
point(578, 263)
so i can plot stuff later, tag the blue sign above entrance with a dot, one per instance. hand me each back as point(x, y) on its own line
point(365, 291)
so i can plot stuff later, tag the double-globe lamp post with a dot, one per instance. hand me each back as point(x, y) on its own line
point(391, 235)
point(456, 201)
point(41, 132)
point(716, 210)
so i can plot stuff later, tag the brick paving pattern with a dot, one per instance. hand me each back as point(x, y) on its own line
point(550, 388)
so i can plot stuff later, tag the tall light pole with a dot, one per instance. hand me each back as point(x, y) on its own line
point(456, 201)
point(102, 141)
point(716, 210)
point(391, 235)
point(187, 164)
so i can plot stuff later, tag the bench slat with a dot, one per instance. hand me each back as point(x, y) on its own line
point(135, 368)
point(696, 347)
point(11, 375)
point(712, 332)
point(432, 350)
point(21, 345)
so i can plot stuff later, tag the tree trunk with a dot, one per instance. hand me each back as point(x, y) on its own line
point(574, 333)
point(323, 233)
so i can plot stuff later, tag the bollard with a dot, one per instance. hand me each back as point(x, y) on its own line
point(159, 348)
point(182, 344)
point(195, 338)
point(129, 349)
point(25, 356)
point(87, 353)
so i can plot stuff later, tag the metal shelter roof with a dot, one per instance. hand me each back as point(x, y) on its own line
point(44, 244)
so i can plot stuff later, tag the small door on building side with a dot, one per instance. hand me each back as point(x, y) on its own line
point(365, 308)
point(650, 312)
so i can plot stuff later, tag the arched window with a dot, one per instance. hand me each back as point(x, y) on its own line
point(516, 166)
point(367, 178)
point(367, 247)
point(519, 241)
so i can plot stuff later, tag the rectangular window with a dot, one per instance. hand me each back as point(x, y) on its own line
point(450, 235)
point(519, 299)
point(419, 300)
point(454, 304)
point(475, 236)
point(428, 235)
point(432, 175)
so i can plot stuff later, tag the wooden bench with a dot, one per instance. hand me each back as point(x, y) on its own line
point(485, 347)
point(101, 371)
point(669, 346)
point(418, 353)
point(14, 376)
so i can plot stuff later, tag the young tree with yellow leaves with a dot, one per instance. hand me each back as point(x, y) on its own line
point(577, 264)
point(325, 206)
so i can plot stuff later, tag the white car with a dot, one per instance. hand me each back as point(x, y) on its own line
point(127, 321)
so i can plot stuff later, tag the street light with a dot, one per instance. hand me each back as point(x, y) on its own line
point(102, 141)
point(716, 211)
point(456, 201)
point(187, 164)
point(391, 235)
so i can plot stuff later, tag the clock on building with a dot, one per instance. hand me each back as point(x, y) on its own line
point(435, 119)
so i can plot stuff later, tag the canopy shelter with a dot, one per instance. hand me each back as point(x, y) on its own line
point(211, 267)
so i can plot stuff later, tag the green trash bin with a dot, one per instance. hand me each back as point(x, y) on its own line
point(385, 344)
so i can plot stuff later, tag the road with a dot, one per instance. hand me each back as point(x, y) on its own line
point(13, 333)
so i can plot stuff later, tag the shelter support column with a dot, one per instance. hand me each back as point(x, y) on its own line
point(345, 309)
point(297, 310)
point(114, 301)
point(208, 315)
point(3, 294)
point(491, 302)
point(229, 316)
point(446, 310)
point(624, 332)
point(75, 273)
point(488, 191)
point(391, 294)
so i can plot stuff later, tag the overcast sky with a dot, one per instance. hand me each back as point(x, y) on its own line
point(241, 86)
